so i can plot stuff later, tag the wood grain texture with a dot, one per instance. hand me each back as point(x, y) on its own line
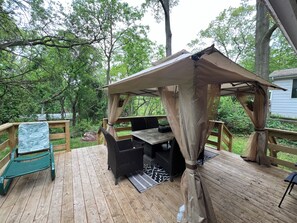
point(84, 191)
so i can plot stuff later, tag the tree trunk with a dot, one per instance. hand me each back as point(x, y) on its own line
point(74, 105)
point(165, 5)
point(62, 103)
point(263, 35)
point(108, 70)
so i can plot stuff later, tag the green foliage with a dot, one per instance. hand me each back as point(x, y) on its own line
point(239, 143)
point(142, 106)
point(232, 32)
point(78, 143)
point(84, 126)
point(231, 112)
point(281, 124)
point(282, 54)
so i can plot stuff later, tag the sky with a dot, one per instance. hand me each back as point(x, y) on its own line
point(187, 19)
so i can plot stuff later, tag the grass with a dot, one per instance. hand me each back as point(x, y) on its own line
point(239, 143)
point(78, 143)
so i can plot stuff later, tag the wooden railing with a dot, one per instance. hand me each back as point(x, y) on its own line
point(274, 147)
point(221, 139)
point(8, 132)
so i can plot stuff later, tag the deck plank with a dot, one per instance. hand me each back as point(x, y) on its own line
point(44, 203)
point(23, 196)
point(102, 206)
point(80, 215)
point(57, 196)
point(108, 188)
point(84, 191)
point(90, 204)
point(67, 214)
point(32, 204)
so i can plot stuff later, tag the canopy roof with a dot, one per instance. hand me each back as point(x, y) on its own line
point(213, 66)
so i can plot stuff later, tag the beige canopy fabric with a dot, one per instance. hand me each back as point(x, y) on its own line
point(213, 67)
point(190, 85)
point(256, 109)
point(115, 108)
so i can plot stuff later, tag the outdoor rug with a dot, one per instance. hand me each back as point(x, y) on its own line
point(207, 156)
point(152, 175)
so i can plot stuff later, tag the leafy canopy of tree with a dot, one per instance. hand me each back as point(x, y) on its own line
point(55, 59)
point(233, 33)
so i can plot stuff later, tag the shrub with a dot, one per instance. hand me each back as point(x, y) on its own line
point(233, 115)
point(84, 126)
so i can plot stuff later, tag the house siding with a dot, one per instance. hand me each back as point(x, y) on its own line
point(281, 101)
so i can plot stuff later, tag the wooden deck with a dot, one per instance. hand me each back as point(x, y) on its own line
point(84, 191)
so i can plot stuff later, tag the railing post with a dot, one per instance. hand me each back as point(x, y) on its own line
point(230, 143)
point(67, 134)
point(220, 132)
point(273, 153)
point(12, 137)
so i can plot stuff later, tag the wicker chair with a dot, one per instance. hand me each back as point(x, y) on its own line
point(137, 124)
point(171, 160)
point(123, 158)
point(151, 122)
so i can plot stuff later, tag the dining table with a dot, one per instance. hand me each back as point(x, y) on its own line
point(153, 136)
point(153, 139)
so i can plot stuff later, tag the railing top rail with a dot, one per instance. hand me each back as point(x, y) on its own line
point(282, 131)
point(129, 117)
point(5, 126)
point(49, 122)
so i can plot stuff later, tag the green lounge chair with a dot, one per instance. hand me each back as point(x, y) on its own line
point(33, 153)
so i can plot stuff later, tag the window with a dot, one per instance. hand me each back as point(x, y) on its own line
point(294, 88)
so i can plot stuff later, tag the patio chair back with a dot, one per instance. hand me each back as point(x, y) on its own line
point(122, 157)
point(138, 124)
point(151, 122)
point(33, 137)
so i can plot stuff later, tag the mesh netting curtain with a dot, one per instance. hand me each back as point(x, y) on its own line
point(116, 105)
point(256, 108)
point(170, 102)
point(188, 118)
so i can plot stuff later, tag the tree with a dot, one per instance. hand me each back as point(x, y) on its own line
point(232, 32)
point(159, 6)
point(262, 39)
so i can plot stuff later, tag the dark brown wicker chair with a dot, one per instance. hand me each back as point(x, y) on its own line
point(123, 158)
point(171, 160)
point(137, 124)
point(151, 122)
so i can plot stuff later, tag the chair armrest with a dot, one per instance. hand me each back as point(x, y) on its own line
point(125, 144)
point(129, 154)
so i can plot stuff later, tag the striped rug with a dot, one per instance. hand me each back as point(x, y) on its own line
point(152, 175)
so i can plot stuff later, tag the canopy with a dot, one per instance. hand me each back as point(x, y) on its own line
point(212, 67)
point(190, 85)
